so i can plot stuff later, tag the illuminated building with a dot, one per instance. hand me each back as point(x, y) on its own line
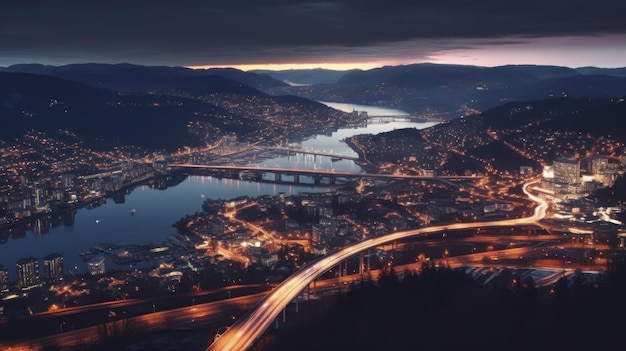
point(27, 273)
point(160, 166)
point(67, 180)
point(526, 170)
point(566, 171)
point(563, 179)
point(96, 265)
point(41, 197)
point(53, 268)
point(4, 279)
point(603, 170)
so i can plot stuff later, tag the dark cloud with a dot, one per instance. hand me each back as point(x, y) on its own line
point(186, 32)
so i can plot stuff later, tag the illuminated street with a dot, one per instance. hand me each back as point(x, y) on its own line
point(245, 331)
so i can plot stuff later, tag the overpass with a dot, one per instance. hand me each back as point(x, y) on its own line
point(250, 327)
point(317, 174)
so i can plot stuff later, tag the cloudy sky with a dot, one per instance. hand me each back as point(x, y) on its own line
point(330, 34)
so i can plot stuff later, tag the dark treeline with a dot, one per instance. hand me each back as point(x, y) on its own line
point(444, 309)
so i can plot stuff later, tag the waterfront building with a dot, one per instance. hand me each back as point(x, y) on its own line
point(28, 273)
point(4, 279)
point(232, 203)
point(53, 268)
point(160, 166)
point(96, 265)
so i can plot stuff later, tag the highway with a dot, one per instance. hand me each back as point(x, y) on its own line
point(195, 316)
point(250, 327)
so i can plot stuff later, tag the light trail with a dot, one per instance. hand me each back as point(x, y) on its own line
point(250, 327)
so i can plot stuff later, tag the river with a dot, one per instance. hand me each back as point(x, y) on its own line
point(157, 209)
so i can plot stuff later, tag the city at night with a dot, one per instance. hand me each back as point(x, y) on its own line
point(340, 175)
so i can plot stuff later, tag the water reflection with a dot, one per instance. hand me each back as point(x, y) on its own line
point(77, 230)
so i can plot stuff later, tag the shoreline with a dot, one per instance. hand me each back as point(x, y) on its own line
point(75, 206)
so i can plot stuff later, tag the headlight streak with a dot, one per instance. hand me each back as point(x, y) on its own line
point(244, 332)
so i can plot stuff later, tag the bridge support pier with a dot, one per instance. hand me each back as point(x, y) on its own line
point(361, 264)
point(278, 177)
point(317, 179)
point(296, 178)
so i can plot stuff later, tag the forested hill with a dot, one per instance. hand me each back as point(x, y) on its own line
point(148, 110)
point(528, 133)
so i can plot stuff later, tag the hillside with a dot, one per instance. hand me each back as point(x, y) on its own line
point(529, 133)
point(450, 91)
point(305, 76)
point(197, 112)
point(444, 309)
point(137, 78)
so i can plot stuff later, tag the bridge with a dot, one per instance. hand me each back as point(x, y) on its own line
point(413, 118)
point(307, 151)
point(318, 174)
point(245, 331)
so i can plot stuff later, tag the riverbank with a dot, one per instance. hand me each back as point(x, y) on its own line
point(75, 229)
point(362, 161)
point(25, 221)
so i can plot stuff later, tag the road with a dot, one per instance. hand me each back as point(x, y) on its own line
point(245, 331)
point(186, 317)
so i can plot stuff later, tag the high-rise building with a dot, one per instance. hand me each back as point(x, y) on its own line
point(27, 273)
point(40, 195)
point(598, 164)
point(53, 268)
point(127, 165)
point(67, 180)
point(160, 166)
point(566, 170)
point(4, 279)
point(96, 265)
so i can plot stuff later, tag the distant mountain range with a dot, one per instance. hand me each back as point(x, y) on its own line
point(161, 107)
point(136, 78)
point(450, 91)
point(300, 77)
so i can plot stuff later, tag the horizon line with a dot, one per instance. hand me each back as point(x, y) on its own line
point(310, 66)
